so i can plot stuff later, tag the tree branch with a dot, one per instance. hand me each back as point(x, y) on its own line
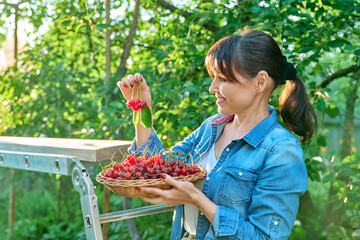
point(172, 8)
point(14, 5)
point(340, 73)
point(121, 71)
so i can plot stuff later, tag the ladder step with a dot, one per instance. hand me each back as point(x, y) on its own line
point(133, 213)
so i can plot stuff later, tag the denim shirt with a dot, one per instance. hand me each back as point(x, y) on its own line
point(256, 183)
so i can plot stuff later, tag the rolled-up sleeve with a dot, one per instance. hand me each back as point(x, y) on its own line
point(150, 147)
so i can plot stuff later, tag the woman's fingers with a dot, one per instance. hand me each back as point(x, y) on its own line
point(170, 180)
point(129, 88)
point(131, 80)
point(153, 191)
point(152, 200)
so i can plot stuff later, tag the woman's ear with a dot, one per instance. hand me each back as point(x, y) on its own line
point(262, 81)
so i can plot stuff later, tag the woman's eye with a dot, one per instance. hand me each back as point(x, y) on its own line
point(222, 79)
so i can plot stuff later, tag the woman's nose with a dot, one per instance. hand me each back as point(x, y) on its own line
point(213, 87)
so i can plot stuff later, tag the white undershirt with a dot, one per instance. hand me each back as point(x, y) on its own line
point(207, 161)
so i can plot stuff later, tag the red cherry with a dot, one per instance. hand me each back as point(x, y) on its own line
point(150, 171)
point(177, 170)
point(184, 171)
point(138, 174)
point(174, 174)
point(128, 176)
point(166, 170)
point(142, 165)
point(142, 105)
point(116, 174)
point(132, 159)
point(116, 166)
point(109, 173)
point(130, 103)
point(132, 170)
point(191, 170)
point(171, 163)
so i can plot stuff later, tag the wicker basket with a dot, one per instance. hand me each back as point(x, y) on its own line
point(126, 188)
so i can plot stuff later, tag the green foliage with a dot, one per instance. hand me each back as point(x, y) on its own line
point(59, 91)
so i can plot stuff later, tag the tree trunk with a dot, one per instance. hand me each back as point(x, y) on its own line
point(107, 101)
point(12, 204)
point(106, 209)
point(108, 84)
point(348, 127)
point(16, 36)
point(130, 222)
point(121, 71)
point(309, 217)
point(13, 171)
point(334, 216)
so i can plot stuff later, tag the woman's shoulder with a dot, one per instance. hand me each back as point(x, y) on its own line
point(280, 137)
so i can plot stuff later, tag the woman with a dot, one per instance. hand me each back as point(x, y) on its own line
point(256, 170)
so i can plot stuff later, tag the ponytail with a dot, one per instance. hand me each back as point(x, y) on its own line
point(296, 110)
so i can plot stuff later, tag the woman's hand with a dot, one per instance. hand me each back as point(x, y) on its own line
point(129, 87)
point(180, 193)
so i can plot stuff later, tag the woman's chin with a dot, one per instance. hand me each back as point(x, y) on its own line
point(223, 111)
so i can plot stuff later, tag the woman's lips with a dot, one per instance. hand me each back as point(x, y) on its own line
point(220, 100)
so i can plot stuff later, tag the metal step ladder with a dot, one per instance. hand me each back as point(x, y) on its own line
point(70, 157)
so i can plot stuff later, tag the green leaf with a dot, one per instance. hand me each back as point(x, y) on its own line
point(80, 26)
point(336, 43)
point(320, 105)
point(136, 117)
point(332, 110)
point(351, 47)
point(357, 52)
point(106, 26)
point(322, 141)
point(306, 49)
point(146, 117)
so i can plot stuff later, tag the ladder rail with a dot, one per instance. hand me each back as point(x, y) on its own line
point(71, 166)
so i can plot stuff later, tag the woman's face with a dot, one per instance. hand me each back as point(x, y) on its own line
point(233, 97)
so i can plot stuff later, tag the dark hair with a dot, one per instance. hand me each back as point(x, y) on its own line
point(253, 51)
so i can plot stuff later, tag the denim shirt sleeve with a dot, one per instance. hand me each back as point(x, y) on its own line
point(154, 145)
point(275, 199)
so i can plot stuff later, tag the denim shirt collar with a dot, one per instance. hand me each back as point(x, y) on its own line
point(258, 133)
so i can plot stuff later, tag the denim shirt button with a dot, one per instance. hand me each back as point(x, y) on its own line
point(207, 178)
point(240, 174)
point(276, 223)
point(227, 149)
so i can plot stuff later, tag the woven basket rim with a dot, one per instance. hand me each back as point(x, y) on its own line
point(147, 182)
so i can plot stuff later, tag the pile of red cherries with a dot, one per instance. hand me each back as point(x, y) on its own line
point(141, 168)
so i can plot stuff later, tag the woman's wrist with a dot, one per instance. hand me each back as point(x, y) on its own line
point(204, 205)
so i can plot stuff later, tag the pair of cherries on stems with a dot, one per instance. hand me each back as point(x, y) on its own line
point(142, 113)
point(136, 104)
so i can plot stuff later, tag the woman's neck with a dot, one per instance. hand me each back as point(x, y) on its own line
point(244, 122)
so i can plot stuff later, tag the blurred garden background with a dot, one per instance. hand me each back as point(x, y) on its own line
point(60, 61)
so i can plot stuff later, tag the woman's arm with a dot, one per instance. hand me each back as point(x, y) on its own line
point(135, 87)
point(181, 193)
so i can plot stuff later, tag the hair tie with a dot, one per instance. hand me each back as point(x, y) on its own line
point(290, 72)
